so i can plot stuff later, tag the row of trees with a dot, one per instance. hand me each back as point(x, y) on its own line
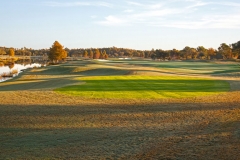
point(23, 51)
point(95, 54)
point(223, 52)
point(9, 51)
point(58, 52)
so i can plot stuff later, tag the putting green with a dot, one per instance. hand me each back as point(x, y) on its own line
point(145, 87)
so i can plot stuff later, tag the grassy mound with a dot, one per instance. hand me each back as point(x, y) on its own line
point(145, 87)
point(187, 67)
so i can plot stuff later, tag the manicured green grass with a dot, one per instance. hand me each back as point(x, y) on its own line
point(201, 68)
point(145, 87)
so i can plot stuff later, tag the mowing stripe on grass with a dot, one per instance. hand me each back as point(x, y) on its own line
point(145, 87)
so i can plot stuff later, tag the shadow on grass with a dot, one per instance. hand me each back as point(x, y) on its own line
point(180, 137)
point(103, 72)
point(36, 84)
point(110, 109)
point(202, 67)
point(66, 77)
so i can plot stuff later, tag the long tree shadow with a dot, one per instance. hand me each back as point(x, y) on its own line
point(78, 110)
point(115, 131)
point(37, 84)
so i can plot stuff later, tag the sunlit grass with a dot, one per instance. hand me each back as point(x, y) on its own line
point(145, 87)
point(40, 124)
point(184, 67)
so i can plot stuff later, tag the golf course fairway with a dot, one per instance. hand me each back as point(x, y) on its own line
point(144, 87)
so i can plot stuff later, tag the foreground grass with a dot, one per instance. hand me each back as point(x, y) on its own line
point(103, 131)
point(145, 87)
point(43, 124)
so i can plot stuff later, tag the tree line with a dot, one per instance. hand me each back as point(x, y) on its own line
point(23, 51)
point(58, 52)
point(224, 51)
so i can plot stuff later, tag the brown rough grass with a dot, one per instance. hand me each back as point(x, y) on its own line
point(37, 123)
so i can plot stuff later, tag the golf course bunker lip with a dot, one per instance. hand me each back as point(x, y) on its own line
point(145, 87)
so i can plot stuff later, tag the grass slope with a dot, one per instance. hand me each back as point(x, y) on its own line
point(145, 87)
point(37, 123)
point(188, 67)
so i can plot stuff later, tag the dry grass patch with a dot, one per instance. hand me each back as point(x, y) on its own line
point(43, 124)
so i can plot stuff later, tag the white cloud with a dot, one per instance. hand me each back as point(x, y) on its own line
point(67, 4)
point(76, 4)
point(156, 6)
point(104, 4)
point(190, 14)
point(183, 24)
point(216, 21)
point(113, 21)
point(224, 21)
point(156, 13)
point(197, 4)
point(135, 3)
point(128, 11)
point(233, 4)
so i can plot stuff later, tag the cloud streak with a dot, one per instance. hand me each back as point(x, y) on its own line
point(189, 14)
point(113, 21)
point(77, 4)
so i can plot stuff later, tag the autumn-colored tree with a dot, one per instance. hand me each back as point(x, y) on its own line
point(189, 53)
point(202, 52)
point(23, 51)
point(185, 52)
point(96, 54)
point(2, 51)
point(136, 54)
point(174, 54)
point(120, 54)
point(85, 55)
point(103, 55)
point(106, 56)
point(225, 51)
point(128, 53)
point(142, 54)
point(236, 49)
point(57, 52)
point(211, 53)
point(91, 54)
point(11, 52)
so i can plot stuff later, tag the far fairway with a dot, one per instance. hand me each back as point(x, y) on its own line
point(145, 87)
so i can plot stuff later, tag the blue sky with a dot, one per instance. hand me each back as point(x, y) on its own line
point(142, 24)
